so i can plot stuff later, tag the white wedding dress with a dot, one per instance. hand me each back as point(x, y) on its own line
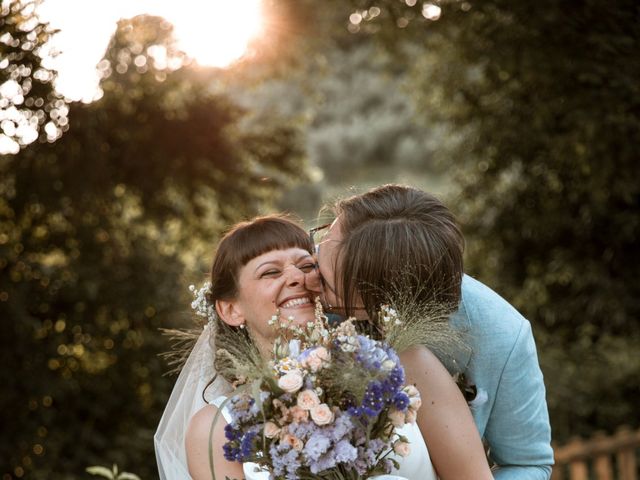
point(416, 466)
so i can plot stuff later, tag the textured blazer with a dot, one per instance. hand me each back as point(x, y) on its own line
point(510, 409)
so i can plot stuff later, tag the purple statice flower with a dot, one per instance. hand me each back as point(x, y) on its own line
point(240, 409)
point(344, 452)
point(325, 462)
point(292, 459)
point(246, 445)
point(232, 431)
point(342, 426)
point(396, 377)
point(280, 456)
point(368, 455)
point(231, 453)
point(254, 410)
point(317, 444)
point(401, 401)
point(302, 430)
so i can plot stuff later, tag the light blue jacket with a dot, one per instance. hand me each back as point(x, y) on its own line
point(503, 363)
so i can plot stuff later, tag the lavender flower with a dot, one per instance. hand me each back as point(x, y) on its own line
point(318, 443)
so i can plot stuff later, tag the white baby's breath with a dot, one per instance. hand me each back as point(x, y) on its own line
point(200, 304)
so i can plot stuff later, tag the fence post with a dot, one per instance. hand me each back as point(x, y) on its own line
point(602, 463)
point(626, 457)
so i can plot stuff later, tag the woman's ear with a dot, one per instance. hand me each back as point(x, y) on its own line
point(230, 312)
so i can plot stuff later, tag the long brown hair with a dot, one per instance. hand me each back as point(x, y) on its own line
point(398, 239)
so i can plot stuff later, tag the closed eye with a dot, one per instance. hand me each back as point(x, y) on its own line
point(307, 267)
point(270, 273)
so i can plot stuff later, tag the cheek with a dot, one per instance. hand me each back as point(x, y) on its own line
point(312, 282)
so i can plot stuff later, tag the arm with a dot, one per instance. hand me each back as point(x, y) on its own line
point(518, 429)
point(197, 446)
point(444, 419)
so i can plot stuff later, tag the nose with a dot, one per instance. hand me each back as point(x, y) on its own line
point(294, 276)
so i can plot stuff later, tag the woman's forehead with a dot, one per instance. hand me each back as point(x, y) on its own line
point(280, 255)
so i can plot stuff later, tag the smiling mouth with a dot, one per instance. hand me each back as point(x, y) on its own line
point(296, 302)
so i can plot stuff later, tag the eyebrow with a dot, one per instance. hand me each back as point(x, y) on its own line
point(301, 257)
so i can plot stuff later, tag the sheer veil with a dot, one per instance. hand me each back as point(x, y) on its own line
point(190, 393)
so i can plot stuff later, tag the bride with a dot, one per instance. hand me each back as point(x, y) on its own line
point(260, 267)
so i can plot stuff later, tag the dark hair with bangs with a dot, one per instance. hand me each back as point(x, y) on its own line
point(241, 244)
point(246, 241)
point(398, 240)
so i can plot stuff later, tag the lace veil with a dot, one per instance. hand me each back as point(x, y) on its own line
point(190, 393)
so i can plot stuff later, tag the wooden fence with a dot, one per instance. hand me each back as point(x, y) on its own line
point(601, 457)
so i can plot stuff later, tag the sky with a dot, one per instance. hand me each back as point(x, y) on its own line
point(214, 32)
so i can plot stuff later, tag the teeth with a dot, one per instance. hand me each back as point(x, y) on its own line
point(295, 302)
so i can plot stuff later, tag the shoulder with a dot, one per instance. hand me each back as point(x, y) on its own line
point(199, 428)
point(483, 307)
point(421, 366)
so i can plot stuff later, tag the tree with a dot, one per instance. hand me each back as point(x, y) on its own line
point(100, 233)
point(546, 94)
point(28, 101)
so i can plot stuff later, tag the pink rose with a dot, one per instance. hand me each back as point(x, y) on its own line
point(397, 417)
point(291, 382)
point(307, 399)
point(314, 363)
point(402, 448)
point(271, 430)
point(298, 414)
point(322, 414)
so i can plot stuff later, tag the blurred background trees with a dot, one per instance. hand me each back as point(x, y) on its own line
point(100, 234)
point(523, 116)
point(30, 107)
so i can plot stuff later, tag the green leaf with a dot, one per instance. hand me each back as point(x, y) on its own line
point(128, 476)
point(101, 471)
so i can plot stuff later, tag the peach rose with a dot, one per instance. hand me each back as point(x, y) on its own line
point(402, 448)
point(292, 440)
point(322, 414)
point(415, 403)
point(314, 363)
point(307, 399)
point(271, 430)
point(299, 414)
point(397, 417)
point(322, 353)
point(291, 382)
point(411, 390)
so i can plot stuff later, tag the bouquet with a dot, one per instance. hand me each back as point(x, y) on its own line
point(327, 404)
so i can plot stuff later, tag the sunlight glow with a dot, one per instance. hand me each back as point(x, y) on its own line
point(213, 32)
point(217, 33)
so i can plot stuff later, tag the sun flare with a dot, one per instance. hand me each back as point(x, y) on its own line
point(216, 33)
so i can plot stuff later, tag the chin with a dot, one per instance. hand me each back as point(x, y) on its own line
point(300, 317)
